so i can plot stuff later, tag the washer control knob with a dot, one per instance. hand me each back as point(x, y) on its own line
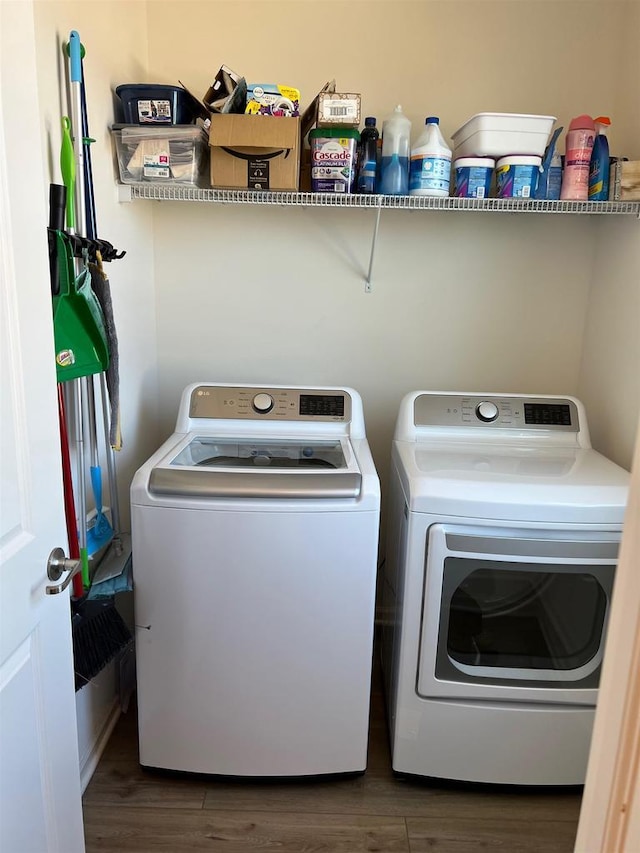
point(487, 411)
point(263, 403)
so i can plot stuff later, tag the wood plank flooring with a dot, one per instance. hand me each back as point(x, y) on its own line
point(127, 809)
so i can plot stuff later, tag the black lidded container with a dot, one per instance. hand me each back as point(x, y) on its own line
point(157, 104)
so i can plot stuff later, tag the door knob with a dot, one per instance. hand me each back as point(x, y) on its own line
point(57, 565)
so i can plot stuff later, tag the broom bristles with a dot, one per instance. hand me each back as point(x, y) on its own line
point(99, 633)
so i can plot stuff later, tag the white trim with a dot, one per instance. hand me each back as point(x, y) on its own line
point(89, 764)
point(610, 815)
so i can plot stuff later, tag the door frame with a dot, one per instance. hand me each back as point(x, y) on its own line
point(610, 814)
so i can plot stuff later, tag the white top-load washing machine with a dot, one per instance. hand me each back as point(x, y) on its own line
point(255, 537)
point(504, 527)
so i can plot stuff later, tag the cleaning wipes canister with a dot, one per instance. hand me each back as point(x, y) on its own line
point(516, 177)
point(333, 159)
point(473, 177)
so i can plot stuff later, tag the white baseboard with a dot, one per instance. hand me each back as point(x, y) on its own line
point(90, 762)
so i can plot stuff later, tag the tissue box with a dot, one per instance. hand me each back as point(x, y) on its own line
point(257, 152)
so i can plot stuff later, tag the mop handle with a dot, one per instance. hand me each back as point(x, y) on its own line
point(91, 411)
point(75, 76)
point(78, 388)
point(75, 55)
point(69, 504)
point(111, 465)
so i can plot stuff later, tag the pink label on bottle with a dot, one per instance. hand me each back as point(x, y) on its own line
point(579, 147)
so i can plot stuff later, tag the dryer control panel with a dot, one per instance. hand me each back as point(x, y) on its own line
point(496, 412)
point(264, 403)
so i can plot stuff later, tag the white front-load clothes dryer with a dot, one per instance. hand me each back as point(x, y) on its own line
point(504, 527)
point(255, 537)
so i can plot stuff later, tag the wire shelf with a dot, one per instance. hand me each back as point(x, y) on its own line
point(156, 192)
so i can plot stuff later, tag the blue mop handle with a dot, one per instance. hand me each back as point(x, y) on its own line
point(96, 485)
point(75, 55)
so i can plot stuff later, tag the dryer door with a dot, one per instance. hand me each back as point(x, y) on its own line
point(515, 614)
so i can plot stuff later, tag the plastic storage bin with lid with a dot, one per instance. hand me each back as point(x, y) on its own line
point(167, 155)
point(502, 135)
point(156, 103)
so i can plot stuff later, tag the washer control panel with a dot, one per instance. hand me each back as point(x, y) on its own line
point(496, 412)
point(288, 404)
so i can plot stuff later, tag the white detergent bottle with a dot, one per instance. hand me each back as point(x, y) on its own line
point(430, 166)
point(394, 168)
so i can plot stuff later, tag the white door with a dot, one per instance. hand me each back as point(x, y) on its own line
point(40, 805)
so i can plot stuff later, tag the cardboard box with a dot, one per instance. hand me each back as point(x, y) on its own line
point(624, 181)
point(338, 108)
point(227, 93)
point(254, 152)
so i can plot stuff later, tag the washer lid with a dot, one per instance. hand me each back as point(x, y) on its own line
point(512, 482)
point(213, 466)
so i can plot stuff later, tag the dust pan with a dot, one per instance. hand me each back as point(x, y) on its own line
point(78, 325)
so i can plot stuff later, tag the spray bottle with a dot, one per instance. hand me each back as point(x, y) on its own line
point(599, 168)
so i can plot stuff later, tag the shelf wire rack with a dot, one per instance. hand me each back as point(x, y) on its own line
point(156, 192)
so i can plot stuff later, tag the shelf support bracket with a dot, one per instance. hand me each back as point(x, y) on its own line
point(367, 286)
point(123, 193)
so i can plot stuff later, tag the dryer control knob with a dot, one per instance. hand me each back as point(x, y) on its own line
point(487, 411)
point(263, 403)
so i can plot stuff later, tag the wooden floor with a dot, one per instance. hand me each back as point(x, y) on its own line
point(127, 809)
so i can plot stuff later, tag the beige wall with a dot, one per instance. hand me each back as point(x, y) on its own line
point(609, 380)
point(451, 58)
point(474, 302)
point(459, 301)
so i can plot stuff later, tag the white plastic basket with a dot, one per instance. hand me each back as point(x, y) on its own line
point(502, 134)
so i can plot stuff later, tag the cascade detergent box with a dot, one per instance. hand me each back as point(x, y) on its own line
point(258, 152)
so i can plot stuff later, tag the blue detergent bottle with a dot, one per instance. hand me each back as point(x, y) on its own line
point(368, 156)
point(599, 166)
